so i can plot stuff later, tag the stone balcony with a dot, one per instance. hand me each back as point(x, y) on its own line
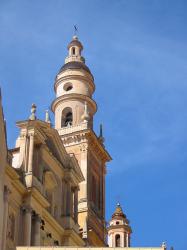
point(71, 129)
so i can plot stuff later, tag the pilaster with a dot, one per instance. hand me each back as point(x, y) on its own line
point(27, 223)
point(36, 230)
point(28, 174)
point(76, 205)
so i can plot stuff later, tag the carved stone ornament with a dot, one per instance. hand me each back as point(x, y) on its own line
point(33, 111)
point(83, 147)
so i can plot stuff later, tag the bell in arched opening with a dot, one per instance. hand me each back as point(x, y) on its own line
point(67, 117)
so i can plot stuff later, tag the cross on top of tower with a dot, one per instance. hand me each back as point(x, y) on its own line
point(75, 30)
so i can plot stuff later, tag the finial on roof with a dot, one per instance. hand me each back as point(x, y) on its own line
point(85, 117)
point(101, 138)
point(47, 117)
point(33, 111)
point(118, 213)
point(101, 131)
point(118, 208)
point(75, 37)
point(163, 245)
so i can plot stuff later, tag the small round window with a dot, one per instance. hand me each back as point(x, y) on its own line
point(68, 86)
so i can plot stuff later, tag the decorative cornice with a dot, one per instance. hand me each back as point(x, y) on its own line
point(54, 224)
point(34, 193)
point(73, 235)
point(74, 96)
point(15, 178)
point(127, 228)
point(89, 138)
point(75, 73)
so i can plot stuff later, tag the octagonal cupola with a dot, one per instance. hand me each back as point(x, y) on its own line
point(74, 49)
point(119, 230)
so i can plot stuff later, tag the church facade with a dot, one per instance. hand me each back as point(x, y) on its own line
point(52, 184)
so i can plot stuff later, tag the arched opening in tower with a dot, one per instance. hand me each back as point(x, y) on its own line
point(117, 240)
point(67, 117)
point(73, 51)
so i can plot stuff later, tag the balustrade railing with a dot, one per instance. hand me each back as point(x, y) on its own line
point(70, 129)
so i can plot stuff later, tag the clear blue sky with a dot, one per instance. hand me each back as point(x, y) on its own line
point(137, 51)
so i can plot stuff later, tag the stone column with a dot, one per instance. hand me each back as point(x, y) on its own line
point(5, 216)
point(71, 202)
point(68, 199)
point(36, 230)
point(28, 175)
point(113, 240)
point(122, 242)
point(127, 240)
point(76, 205)
point(27, 222)
point(31, 149)
point(64, 197)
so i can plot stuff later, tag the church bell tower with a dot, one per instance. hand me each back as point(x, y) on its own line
point(74, 111)
point(119, 230)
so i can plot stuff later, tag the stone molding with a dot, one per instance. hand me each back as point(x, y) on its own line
point(71, 129)
point(74, 96)
point(89, 138)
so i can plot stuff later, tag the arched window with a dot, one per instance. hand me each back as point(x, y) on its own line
point(67, 117)
point(73, 51)
point(117, 240)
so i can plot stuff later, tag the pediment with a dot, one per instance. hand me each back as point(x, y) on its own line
point(55, 145)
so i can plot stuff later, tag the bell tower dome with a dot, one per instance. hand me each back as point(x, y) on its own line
point(74, 111)
point(119, 230)
point(74, 86)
